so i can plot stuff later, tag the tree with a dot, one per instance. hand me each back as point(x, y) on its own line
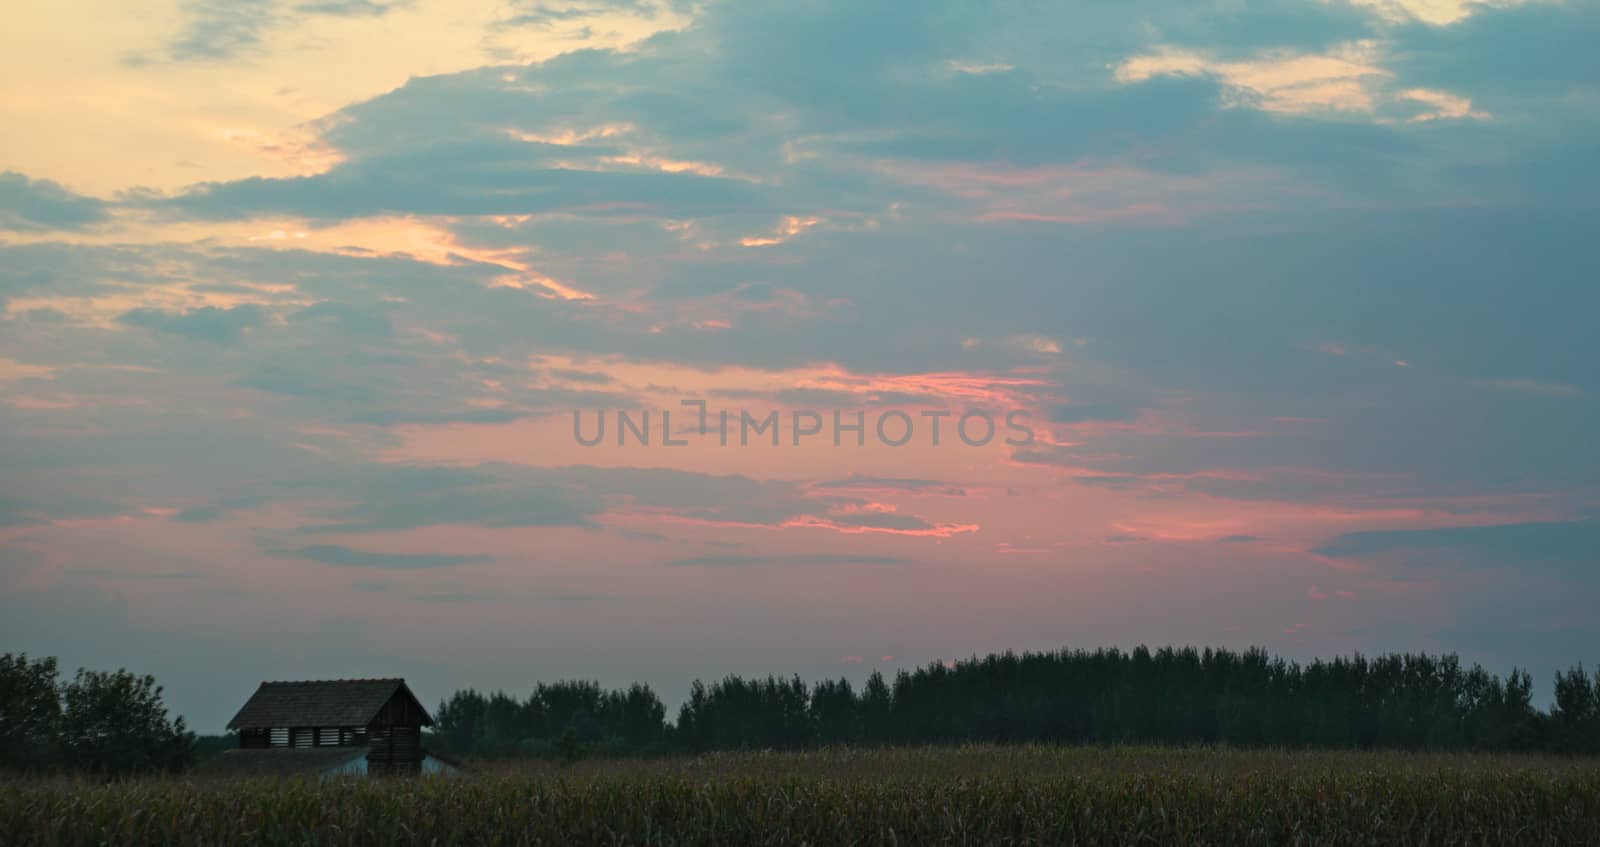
point(1576, 716)
point(458, 722)
point(834, 713)
point(115, 723)
point(30, 711)
point(1164, 696)
point(637, 717)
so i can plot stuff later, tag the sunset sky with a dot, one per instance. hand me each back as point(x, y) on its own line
point(298, 301)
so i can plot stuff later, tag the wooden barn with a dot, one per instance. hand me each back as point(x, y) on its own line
point(345, 726)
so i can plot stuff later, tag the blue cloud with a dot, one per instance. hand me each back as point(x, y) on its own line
point(738, 561)
point(207, 323)
point(1552, 43)
point(39, 204)
point(1570, 548)
point(217, 30)
point(347, 317)
point(307, 383)
point(480, 177)
point(405, 498)
point(16, 511)
point(864, 481)
point(352, 8)
point(340, 555)
point(1087, 412)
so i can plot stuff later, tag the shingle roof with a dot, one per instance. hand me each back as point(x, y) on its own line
point(339, 702)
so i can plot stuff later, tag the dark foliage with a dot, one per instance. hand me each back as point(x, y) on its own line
point(206, 746)
point(499, 725)
point(1575, 720)
point(108, 723)
point(1166, 696)
point(30, 712)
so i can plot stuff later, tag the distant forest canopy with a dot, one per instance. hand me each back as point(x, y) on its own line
point(1166, 696)
point(116, 723)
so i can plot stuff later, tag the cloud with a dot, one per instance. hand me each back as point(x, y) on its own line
point(1561, 547)
point(543, 13)
point(736, 561)
point(396, 417)
point(216, 30)
point(352, 8)
point(223, 326)
point(616, 135)
point(485, 176)
point(305, 383)
point(39, 204)
point(1092, 412)
point(1303, 83)
point(1534, 387)
point(865, 482)
point(112, 573)
point(1015, 151)
point(551, 166)
point(570, 375)
point(1549, 38)
point(219, 509)
point(399, 497)
point(1347, 79)
point(347, 317)
point(875, 521)
point(342, 556)
point(406, 497)
point(38, 508)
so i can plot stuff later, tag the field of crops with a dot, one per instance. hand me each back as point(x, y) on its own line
point(979, 795)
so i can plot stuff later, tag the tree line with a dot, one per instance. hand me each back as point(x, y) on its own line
point(103, 722)
point(115, 723)
point(1165, 696)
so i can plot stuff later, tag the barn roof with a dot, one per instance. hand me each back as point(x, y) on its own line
point(339, 702)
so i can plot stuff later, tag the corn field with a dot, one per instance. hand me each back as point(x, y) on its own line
point(977, 795)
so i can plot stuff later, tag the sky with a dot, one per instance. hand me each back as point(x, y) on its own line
point(1283, 311)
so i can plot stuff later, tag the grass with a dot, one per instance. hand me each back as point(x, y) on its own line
point(972, 795)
